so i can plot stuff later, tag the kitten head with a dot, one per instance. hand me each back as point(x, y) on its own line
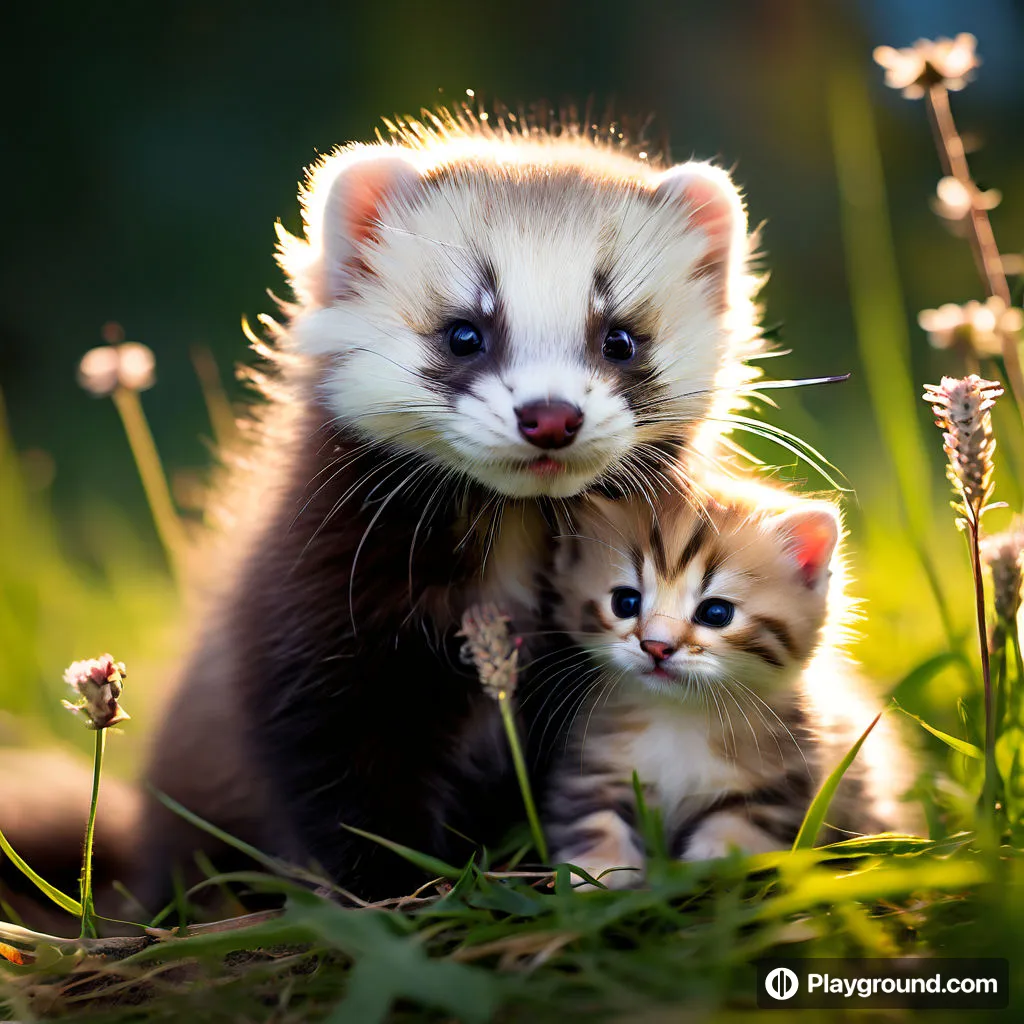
point(534, 313)
point(679, 599)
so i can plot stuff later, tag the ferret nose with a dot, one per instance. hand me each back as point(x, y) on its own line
point(549, 424)
point(657, 650)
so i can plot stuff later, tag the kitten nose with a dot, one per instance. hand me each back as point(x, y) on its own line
point(657, 650)
point(549, 424)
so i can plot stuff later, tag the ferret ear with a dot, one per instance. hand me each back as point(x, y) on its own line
point(352, 211)
point(341, 208)
point(712, 205)
point(810, 536)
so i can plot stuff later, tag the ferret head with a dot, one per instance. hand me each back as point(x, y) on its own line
point(533, 314)
point(681, 600)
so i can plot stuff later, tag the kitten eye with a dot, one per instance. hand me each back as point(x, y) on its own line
point(619, 346)
point(463, 338)
point(714, 612)
point(626, 602)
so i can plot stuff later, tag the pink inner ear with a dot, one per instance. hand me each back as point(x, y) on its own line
point(811, 540)
point(352, 213)
point(364, 201)
point(711, 211)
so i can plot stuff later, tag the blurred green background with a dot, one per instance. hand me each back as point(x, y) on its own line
point(149, 152)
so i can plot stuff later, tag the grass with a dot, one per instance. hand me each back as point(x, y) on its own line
point(477, 941)
point(493, 940)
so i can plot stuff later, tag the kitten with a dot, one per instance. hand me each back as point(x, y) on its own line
point(717, 676)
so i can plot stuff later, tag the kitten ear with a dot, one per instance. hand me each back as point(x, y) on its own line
point(341, 209)
point(712, 205)
point(810, 536)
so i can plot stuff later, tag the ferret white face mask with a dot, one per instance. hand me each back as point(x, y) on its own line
point(537, 315)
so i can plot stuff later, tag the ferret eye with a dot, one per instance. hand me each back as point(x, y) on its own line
point(619, 346)
point(463, 338)
point(626, 602)
point(714, 612)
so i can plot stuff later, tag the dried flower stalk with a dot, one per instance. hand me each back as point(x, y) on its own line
point(963, 412)
point(99, 683)
point(975, 328)
point(490, 647)
point(912, 70)
point(120, 370)
point(1003, 553)
point(932, 69)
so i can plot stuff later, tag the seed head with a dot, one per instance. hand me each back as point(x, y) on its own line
point(962, 412)
point(128, 365)
point(950, 62)
point(98, 682)
point(1003, 553)
point(490, 648)
point(954, 199)
point(977, 327)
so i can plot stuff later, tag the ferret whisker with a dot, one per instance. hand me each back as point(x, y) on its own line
point(436, 492)
point(595, 540)
point(581, 682)
point(353, 488)
point(555, 660)
point(394, 229)
point(417, 471)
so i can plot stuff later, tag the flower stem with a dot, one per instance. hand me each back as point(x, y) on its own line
point(218, 408)
point(88, 922)
point(1013, 697)
point(508, 720)
point(982, 238)
point(154, 481)
point(991, 775)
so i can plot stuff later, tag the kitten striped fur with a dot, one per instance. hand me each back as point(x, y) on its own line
point(723, 683)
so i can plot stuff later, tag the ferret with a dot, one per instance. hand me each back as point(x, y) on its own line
point(716, 632)
point(488, 321)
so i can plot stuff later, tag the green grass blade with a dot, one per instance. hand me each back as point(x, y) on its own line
point(271, 863)
point(523, 776)
point(62, 900)
point(888, 844)
point(918, 677)
point(650, 826)
point(960, 746)
point(586, 876)
point(879, 310)
point(815, 816)
point(432, 865)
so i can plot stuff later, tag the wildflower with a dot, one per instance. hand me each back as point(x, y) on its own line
point(489, 647)
point(954, 199)
point(98, 683)
point(978, 327)
point(128, 365)
point(495, 654)
point(962, 412)
point(1004, 555)
point(949, 62)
